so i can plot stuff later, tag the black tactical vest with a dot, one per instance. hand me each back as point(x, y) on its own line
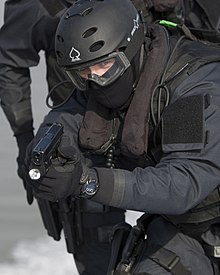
point(186, 61)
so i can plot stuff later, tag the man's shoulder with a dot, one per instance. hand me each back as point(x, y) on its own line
point(23, 3)
point(194, 54)
point(199, 48)
point(15, 8)
point(53, 7)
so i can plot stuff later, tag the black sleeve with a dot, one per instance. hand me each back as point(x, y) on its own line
point(27, 29)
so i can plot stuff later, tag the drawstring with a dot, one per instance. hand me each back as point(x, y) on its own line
point(162, 88)
point(53, 89)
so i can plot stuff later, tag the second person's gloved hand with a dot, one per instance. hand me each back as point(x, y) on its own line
point(63, 177)
point(22, 141)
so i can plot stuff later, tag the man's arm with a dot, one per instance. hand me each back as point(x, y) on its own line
point(20, 43)
point(28, 28)
point(17, 55)
point(187, 173)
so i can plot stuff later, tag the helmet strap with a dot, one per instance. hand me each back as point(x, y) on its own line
point(135, 44)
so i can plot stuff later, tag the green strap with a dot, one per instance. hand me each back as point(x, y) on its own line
point(168, 24)
point(186, 31)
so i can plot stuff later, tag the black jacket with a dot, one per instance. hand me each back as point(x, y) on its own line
point(188, 167)
point(185, 176)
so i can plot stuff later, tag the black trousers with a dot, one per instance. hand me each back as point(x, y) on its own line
point(97, 221)
point(163, 234)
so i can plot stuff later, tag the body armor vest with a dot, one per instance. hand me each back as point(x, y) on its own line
point(186, 61)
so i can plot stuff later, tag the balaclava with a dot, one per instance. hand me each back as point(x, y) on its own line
point(117, 95)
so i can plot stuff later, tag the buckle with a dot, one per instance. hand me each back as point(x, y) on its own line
point(173, 263)
point(216, 251)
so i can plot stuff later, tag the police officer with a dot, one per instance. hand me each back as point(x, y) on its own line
point(143, 131)
point(140, 132)
point(29, 27)
point(20, 44)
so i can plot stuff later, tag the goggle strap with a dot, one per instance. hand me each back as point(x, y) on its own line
point(135, 44)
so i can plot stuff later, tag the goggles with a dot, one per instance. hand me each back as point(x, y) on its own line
point(103, 71)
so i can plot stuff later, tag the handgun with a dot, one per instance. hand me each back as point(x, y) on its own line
point(44, 151)
point(60, 214)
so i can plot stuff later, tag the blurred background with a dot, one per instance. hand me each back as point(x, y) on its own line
point(25, 247)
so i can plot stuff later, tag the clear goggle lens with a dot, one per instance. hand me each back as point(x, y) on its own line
point(103, 72)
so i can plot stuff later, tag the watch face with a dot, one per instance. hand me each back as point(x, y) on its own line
point(91, 187)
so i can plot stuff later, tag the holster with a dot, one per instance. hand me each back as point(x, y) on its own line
point(61, 215)
point(82, 221)
point(127, 246)
point(132, 244)
point(50, 218)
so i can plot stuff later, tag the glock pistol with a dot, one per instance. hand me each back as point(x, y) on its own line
point(44, 151)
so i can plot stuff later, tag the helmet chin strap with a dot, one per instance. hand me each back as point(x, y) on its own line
point(135, 44)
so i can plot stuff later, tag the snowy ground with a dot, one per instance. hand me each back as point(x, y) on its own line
point(42, 256)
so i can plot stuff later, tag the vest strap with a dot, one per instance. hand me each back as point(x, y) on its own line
point(168, 260)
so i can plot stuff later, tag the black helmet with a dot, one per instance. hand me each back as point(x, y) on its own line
point(91, 29)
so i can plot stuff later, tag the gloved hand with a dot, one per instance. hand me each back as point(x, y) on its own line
point(63, 177)
point(22, 141)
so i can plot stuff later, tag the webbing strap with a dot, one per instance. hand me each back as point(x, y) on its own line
point(135, 43)
point(213, 252)
point(216, 266)
point(168, 260)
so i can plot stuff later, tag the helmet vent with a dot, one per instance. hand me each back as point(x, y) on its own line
point(60, 38)
point(89, 32)
point(86, 11)
point(96, 46)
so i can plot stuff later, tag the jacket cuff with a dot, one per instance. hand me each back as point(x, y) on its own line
point(24, 139)
point(111, 187)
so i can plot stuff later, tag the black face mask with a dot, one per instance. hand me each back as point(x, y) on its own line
point(114, 96)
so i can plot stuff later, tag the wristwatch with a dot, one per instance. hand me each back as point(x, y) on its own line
point(90, 186)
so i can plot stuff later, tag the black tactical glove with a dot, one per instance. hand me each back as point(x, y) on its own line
point(63, 177)
point(22, 141)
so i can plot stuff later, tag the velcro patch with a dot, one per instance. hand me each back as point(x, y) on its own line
point(183, 124)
